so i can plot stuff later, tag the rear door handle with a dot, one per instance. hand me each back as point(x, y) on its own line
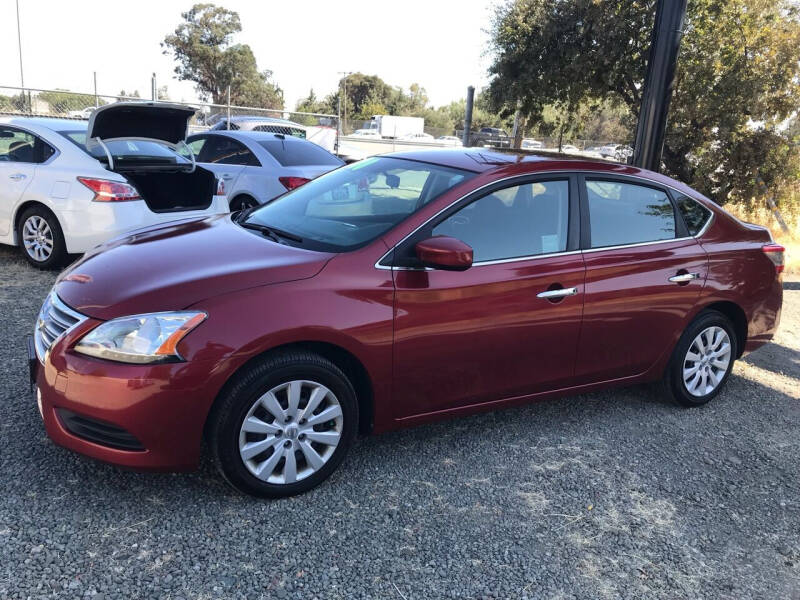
point(559, 293)
point(684, 277)
point(17, 176)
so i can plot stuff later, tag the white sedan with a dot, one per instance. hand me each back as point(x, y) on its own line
point(257, 166)
point(67, 186)
point(372, 134)
point(449, 140)
point(425, 138)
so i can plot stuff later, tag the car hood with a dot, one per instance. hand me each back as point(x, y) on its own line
point(140, 120)
point(174, 265)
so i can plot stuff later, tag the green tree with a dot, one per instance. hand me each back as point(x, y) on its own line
point(737, 79)
point(62, 101)
point(206, 55)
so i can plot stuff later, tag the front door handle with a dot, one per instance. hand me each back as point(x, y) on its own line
point(17, 176)
point(559, 293)
point(227, 176)
point(684, 277)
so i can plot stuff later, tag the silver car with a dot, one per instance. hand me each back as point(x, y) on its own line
point(257, 166)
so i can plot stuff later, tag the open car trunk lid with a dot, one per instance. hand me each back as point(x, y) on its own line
point(167, 181)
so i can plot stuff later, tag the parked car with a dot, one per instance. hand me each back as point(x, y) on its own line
point(256, 167)
point(68, 185)
point(569, 149)
point(425, 138)
point(81, 114)
point(618, 152)
point(399, 290)
point(449, 140)
point(265, 124)
point(373, 134)
point(492, 137)
point(529, 144)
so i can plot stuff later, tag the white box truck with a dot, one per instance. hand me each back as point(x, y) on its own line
point(395, 127)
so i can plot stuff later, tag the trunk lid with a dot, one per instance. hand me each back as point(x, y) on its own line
point(158, 121)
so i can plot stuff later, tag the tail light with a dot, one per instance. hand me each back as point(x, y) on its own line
point(291, 183)
point(220, 187)
point(775, 253)
point(110, 191)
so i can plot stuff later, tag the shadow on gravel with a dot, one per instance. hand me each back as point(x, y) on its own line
point(776, 358)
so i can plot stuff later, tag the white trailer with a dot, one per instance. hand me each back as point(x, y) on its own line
point(395, 127)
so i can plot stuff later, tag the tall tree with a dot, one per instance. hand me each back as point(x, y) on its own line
point(203, 46)
point(737, 79)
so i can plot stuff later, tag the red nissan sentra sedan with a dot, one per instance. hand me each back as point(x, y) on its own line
point(395, 291)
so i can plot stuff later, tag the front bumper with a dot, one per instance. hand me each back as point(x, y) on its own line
point(163, 406)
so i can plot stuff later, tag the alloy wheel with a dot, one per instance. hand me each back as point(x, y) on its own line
point(37, 238)
point(706, 361)
point(290, 432)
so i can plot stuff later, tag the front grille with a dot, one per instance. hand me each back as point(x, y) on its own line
point(55, 319)
point(99, 432)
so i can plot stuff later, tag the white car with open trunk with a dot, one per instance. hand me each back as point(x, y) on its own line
point(67, 186)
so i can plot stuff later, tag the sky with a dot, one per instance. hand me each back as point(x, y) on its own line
point(440, 44)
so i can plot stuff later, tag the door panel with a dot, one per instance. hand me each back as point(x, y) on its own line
point(483, 334)
point(633, 313)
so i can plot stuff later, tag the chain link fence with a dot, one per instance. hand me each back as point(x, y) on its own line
point(322, 129)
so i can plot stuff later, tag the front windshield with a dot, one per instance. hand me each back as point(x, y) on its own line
point(351, 206)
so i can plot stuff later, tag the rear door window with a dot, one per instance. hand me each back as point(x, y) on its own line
point(22, 147)
point(222, 150)
point(292, 153)
point(625, 213)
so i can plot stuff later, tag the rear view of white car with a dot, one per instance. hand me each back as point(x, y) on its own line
point(257, 166)
point(66, 186)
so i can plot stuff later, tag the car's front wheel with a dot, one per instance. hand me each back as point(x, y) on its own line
point(284, 425)
point(41, 239)
point(702, 361)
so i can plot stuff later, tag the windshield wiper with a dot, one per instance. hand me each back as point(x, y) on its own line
point(271, 232)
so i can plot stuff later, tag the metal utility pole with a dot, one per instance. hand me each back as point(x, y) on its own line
point(666, 41)
point(96, 99)
point(468, 116)
point(153, 88)
point(19, 44)
point(228, 121)
point(343, 102)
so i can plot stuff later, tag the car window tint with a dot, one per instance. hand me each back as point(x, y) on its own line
point(196, 145)
point(694, 214)
point(222, 150)
point(625, 213)
point(291, 153)
point(513, 222)
point(23, 147)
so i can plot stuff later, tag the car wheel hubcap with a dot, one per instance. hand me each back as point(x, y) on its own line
point(707, 361)
point(37, 237)
point(291, 432)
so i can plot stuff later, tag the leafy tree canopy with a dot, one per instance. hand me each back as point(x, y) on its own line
point(737, 78)
point(203, 46)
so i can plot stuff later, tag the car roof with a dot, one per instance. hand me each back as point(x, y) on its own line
point(240, 118)
point(514, 162)
point(50, 123)
point(252, 135)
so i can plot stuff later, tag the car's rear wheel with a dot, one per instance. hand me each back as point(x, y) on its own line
point(284, 425)
point(242, 202)
point(702, 360)
point(41, 239)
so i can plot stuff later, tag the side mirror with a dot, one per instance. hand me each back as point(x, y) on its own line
point(445, 253)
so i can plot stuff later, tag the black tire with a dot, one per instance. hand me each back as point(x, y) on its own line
point(58, 256)
point(673, 382)
point(231, 408)
point(242, 202)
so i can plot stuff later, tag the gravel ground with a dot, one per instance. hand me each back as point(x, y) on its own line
point(606, 495)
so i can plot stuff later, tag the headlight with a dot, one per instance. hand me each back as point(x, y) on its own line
point(149, 338)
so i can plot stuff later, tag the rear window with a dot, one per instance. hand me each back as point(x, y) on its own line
point(127, 150)
point(296, 154)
